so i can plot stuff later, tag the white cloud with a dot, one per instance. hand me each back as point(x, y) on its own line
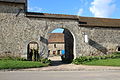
point(102, 8)
point(34, 9)
point(80, 12)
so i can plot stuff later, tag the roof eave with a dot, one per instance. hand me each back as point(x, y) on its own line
point(9, 1)
point(51, 16)
point(104, 26)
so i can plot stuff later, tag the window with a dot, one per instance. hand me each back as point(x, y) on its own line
point(118, 48)
point(58, 52)
point(48, 51)
point(54, 52)
point(55, 46)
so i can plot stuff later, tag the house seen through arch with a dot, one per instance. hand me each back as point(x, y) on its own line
point(60, 45)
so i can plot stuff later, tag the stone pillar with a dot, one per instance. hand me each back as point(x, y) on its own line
point(69, 44)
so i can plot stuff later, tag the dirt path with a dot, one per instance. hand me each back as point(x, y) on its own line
point(71, 67)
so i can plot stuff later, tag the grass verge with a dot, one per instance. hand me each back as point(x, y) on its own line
point(14, 64)
point(107, 62)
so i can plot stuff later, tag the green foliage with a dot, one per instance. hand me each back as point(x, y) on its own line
point(18, 63)
point(105, 62)
point(45, 60)
point(84, 59)
point(80, 60)
point(13, 58)
point(14, 64)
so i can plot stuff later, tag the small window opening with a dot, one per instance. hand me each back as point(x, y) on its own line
point(54, 52)
point(55, 46)
point(119, 48)
point(58, 52)
point(48, 51)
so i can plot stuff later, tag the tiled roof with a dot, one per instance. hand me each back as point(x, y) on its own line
point(92, 21)
point(83, 21)
point(47, 15)
point(56, 38)
point(14, 1)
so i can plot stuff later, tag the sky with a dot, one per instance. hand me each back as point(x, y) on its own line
point(58, 30)
point(87, 8)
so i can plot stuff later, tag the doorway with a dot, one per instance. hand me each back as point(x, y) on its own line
point(61, 41)
point(32, 53)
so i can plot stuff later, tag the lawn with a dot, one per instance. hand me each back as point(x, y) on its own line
point(14, 64)
point(107, 62)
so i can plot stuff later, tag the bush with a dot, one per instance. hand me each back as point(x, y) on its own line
point(45, 60)
point(83, 59)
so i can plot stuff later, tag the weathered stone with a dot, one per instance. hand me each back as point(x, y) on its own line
point(16, 32)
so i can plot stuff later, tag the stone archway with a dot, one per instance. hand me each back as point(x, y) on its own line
point(32, 51)
point(69, 46)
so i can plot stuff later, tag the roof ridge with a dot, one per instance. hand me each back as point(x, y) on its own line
point(99, 18)
point(14, 1)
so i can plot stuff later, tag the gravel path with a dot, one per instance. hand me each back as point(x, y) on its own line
point(72, 67)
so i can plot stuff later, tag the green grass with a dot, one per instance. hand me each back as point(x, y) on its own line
point(107, 62)
point(14, 64)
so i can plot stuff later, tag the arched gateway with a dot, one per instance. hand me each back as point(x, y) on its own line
point(69, 37)
point(91, 36)
point(62, 44)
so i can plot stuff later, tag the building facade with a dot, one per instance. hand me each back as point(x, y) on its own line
point(56, 43)
point(18, 28)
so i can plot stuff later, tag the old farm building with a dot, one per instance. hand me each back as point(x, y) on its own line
point(55, 43)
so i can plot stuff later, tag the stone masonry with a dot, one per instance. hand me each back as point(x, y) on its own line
point(18, 28)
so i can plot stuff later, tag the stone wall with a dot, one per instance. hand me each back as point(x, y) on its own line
point(69, 45)
point(102, 40)
point(16, 32)
point(59, 46)
point(10, 28)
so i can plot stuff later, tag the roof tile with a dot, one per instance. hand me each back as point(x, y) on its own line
point(56, 38)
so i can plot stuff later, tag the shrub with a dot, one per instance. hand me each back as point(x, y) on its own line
point(45, 60)
point(83, 59)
